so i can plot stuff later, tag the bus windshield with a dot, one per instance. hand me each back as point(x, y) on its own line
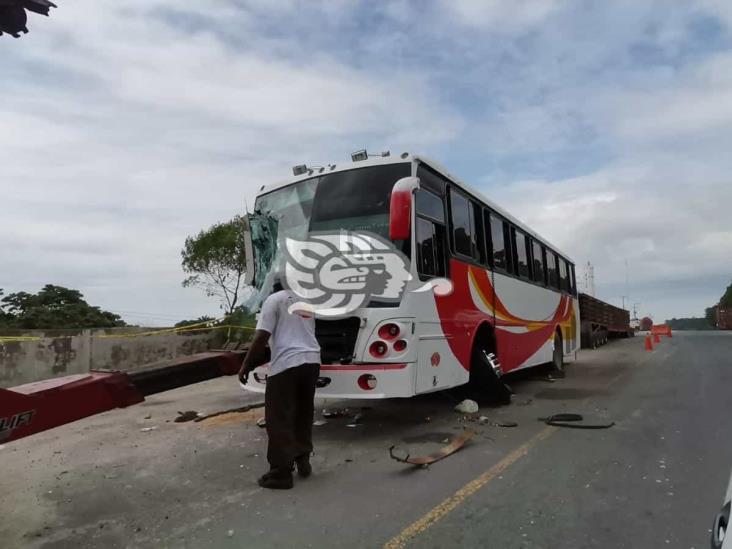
point(352, 200)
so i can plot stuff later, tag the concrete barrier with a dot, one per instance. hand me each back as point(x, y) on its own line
point(54, 353)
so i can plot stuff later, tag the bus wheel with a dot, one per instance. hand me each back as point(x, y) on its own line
point(558, 356)
point(484, 383)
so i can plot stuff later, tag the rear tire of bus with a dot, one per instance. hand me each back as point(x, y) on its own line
point(558, 355)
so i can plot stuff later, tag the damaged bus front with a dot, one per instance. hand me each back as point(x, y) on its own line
point(356, 360)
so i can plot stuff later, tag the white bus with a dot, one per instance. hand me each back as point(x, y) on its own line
point(514, 299)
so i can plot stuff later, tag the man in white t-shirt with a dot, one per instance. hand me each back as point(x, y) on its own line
point(294, 368)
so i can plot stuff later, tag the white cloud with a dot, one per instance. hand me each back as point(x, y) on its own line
point(501, 15)
point(124, 132)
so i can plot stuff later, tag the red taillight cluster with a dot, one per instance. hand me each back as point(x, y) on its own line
point(388, 339)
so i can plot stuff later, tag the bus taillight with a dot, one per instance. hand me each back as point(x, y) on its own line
point(378, 349)
point(389, 331)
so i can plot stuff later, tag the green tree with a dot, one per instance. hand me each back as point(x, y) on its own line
point(199, 320)
point(726, 301)
point(54, 307)
point(215, 260)
point(710, 314)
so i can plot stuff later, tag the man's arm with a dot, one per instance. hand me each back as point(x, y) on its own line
point(254, 355)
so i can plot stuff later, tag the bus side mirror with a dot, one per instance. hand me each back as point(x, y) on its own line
point(400, 208)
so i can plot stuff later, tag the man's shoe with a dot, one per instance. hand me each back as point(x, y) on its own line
point(276, 480)
point(304, 469)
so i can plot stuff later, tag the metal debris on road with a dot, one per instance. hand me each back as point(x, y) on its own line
point(148, 429)
point(570, 420)
point(188, 415)
point(319, 422)
point(457, 443)
point(232, 411)
point(467, 406)
point(261, 422)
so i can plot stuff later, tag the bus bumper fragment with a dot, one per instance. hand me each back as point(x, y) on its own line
point(423, 461)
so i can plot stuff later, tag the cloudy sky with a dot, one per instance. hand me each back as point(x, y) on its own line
point(127, 125)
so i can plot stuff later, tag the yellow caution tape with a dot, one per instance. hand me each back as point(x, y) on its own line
point(198, 327)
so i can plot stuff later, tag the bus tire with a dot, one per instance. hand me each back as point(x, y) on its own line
point(558, 354)
point(484, 384)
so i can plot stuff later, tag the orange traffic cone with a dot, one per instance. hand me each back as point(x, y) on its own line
point(649, 345)
point(656, 339)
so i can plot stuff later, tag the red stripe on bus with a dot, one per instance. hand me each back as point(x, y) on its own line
point(360, 367)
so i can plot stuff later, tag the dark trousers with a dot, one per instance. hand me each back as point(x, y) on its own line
point(288, 411)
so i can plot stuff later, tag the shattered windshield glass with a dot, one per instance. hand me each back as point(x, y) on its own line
point(356, 199)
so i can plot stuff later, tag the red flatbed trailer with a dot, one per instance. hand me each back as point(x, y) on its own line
point(36, 407)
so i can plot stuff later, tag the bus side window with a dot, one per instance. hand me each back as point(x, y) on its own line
point(508, 247)
point(498, 259)
point(563, 277)
point(461, 224)
point(552, 269)
point(479, 243)
point(538, 258)
point(522, 255)
point(430, 235)
point(572, 280)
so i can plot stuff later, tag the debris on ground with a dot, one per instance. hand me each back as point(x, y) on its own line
point(319, 422)
point(188, 415)
point(467, 406)
point(485, 420)
point(232, 411)
point(147, 429)
point(423, 461)
point(148, 416)
point(332, 414)
point(572, 421)
point(261, 422)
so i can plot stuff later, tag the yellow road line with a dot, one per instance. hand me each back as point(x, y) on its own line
point(466, 491)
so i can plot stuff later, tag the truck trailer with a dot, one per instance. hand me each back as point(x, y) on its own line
point(600, 321)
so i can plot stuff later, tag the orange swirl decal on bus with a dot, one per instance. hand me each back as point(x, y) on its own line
point(517, 338)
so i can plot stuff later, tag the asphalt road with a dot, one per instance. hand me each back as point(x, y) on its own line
point(655, 479)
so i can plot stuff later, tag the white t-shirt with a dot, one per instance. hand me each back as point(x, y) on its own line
point(292, 340)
